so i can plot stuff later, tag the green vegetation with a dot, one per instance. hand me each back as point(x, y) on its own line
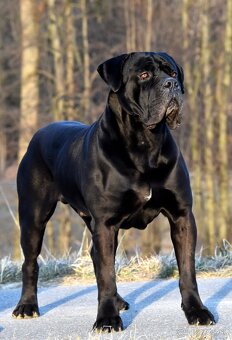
point(80, 268)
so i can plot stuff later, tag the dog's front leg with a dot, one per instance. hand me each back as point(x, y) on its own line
point(183, 233)
point(108, 318)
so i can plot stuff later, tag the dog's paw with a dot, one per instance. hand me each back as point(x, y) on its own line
point(199, 316)
point(122, 304)
point(26, 311)
point(108, 324)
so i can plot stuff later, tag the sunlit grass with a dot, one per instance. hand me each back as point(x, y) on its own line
point(127, 269)
point(206, 335)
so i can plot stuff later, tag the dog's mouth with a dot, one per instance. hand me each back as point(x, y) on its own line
point(151, 126)
point(172, 115)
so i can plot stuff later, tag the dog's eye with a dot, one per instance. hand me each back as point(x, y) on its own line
point(144, 75)
point(173, 74)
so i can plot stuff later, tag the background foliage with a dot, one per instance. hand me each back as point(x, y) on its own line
point(49, 52)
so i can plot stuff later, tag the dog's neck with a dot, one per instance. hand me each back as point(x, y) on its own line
point(145, 146)
point(130, 123)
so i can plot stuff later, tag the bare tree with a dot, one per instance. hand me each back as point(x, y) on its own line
point(70, 59)
point(29, 96)
point(58, 100)
point(192, 85)
point(209, 133)
point(129, 10)
point(86, 62)
point(149, 21)
point(224, 83)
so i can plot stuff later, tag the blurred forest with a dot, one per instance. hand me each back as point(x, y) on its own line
point(49, 52)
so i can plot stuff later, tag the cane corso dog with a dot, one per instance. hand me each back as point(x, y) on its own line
point(120, 172)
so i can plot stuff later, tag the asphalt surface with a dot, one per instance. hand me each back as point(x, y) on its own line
point(68, 312)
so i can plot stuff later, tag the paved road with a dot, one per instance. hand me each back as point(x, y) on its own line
point(68, 312)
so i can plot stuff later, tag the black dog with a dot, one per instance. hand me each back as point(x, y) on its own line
point(120, 172)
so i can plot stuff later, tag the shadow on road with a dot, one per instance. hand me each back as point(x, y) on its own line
point(8, 300)
point(57, 303)
point(137, 307)
point(139, 298)
point(1, 328)
point(214, 300)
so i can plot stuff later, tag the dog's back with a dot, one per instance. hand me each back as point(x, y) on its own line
point(53, 139)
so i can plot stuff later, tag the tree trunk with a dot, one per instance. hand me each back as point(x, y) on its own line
point(225, 88)
point(148, 32)
point(209, 133)
point(192, 80)
point(3, 149)
point(133, 25)
point(16, 244)
point(70, 43)
point(86, 63)
point(51, 238)
point(127, 24)
point(65, 230)
point(85, 243)
point(29, 94)
point(129, 10)
point(58, 105)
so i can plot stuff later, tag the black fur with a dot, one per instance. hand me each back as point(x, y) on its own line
point(120, 172)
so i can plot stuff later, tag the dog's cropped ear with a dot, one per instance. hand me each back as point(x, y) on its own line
point(111, 71)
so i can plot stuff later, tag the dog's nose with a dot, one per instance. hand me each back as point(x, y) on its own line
point(171, 83)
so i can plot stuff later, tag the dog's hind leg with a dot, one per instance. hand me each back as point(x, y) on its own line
point(37, 202)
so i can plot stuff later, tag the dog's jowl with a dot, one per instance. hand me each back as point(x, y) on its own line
point(120, 172)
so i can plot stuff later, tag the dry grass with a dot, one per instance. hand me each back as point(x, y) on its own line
point(206, 335)
point(200, 335)
point(133, 269)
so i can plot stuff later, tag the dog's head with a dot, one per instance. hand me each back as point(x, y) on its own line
point(149, 85)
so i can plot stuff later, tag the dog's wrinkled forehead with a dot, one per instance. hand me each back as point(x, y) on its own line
point(137, 62)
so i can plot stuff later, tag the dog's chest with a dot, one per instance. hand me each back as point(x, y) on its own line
point(143, 191)
point(149, 196)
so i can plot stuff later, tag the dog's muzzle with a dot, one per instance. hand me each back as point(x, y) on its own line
point(173, 113)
